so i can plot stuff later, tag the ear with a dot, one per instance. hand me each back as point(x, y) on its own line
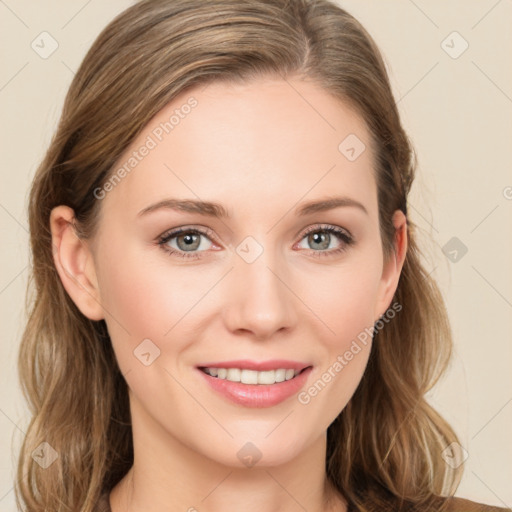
point(74, 262)
point(393, 267)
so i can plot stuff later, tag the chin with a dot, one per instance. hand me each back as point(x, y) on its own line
point(260, 452)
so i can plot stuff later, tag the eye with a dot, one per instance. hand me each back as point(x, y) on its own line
point(186, 242)
point(191, 242)
point(320, 239)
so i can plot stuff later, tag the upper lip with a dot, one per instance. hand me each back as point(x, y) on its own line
point(259, 366)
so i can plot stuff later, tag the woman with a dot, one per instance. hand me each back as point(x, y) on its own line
point(229, 294)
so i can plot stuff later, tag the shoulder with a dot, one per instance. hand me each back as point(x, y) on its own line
point(450, 505)
point(463, 505)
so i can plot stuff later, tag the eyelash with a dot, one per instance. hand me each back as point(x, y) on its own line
point(341, 234)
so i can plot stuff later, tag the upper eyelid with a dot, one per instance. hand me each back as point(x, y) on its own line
point(320, 227)
point(171, 233)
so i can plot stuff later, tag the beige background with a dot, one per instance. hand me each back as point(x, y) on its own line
point(458, 114)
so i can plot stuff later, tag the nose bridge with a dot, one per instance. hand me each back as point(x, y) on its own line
point(259, 302)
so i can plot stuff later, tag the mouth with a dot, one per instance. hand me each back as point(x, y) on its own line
point(256, 384)
point(252, 377)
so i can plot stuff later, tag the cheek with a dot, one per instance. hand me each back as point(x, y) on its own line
point(343, 299)
point(149, 298)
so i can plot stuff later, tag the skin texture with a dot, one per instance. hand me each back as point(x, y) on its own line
point(261, 149)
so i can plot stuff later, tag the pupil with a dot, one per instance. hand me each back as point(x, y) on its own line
point(322, 239)
point(189, 240)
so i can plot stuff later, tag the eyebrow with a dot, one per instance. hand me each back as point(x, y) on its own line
point(329, 204)
point(188, 205)
point(212, 209)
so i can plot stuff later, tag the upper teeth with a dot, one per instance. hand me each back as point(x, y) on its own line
point(252, 376)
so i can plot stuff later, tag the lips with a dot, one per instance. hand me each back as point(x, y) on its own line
point(245, 364)
point(261, 384)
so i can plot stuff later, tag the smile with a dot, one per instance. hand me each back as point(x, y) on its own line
point(255, 384)
point(252, 376)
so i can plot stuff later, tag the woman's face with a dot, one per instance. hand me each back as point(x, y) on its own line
point(272, 278)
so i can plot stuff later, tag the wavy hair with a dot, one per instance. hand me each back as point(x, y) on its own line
point(384, 448)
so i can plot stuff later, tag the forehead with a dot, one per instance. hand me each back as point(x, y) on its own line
point(252, 145)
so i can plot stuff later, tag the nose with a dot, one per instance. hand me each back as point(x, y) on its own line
point(260, 301)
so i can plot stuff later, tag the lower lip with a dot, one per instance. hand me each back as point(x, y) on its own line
point(257, 395)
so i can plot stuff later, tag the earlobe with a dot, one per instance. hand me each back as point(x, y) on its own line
point(393, 267)
point(74, 263)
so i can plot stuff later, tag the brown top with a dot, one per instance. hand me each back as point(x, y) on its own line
point(462, 505)
point(454, 505)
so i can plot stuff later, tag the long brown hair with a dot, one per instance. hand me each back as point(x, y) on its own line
point(384, 449)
